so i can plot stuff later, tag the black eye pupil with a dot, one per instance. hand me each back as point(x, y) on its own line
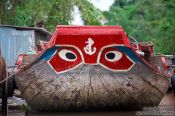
point(110, 55)
point(70, 56)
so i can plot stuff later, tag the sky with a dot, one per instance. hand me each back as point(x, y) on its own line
point(101, 4)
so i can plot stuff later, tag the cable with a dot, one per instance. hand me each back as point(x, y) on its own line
point(10, 75)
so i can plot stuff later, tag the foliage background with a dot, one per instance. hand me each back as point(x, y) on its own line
point(146, 20)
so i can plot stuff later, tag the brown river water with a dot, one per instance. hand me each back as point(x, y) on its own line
point(166, 108)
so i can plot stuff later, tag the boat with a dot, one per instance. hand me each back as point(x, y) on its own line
point(92, 68)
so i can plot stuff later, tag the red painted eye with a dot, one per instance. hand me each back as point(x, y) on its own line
point(65, 58)
point(67, 55)
point(113, 56)
point(113, 59)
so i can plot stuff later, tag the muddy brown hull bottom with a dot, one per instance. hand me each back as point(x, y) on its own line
point(90, 88)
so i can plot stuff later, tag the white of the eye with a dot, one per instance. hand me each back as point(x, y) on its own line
point(117, 57)
point(62, 55)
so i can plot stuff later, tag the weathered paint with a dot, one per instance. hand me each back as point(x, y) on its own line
point(94, 81)
point(90, 87)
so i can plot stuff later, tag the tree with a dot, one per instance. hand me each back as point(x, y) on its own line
point(50, 12)
point(2, 11)
point(146, 20)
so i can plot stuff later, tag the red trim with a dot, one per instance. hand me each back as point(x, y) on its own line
point(107, 35)
point(20, 59)
point(164, 62)
point(95, 31)
point(151, 66)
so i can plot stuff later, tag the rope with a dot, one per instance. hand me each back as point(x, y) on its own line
point(6, 78)
point(10, 75)
point(11, 72)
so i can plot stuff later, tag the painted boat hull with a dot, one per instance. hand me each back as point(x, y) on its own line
point(90, 87)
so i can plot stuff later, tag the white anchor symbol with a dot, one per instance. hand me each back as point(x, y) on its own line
point(88, 49)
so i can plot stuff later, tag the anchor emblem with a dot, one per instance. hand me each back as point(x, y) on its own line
point(88, 49)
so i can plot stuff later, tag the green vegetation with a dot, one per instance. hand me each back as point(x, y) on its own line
point(146, 20)
point(48, 12)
